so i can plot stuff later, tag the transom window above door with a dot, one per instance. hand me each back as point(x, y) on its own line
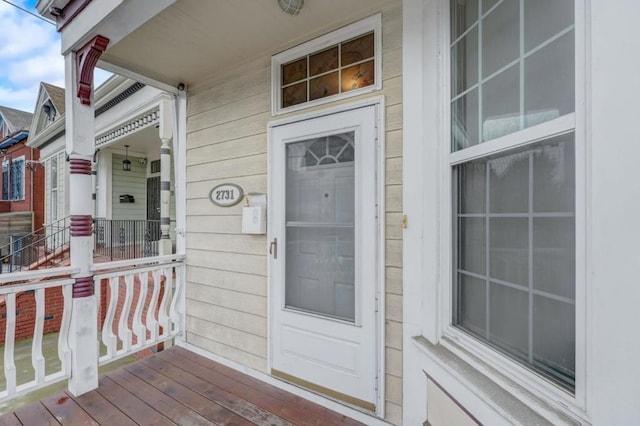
point(340, 64)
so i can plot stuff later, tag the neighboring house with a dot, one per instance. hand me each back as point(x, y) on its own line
point(128, 114)
point(21, 202)
point(452, 197)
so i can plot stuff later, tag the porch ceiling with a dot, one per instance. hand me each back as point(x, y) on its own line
point(194, 39)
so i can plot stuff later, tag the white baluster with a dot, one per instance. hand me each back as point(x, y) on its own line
point(37, 359)
point(152, 323)
point(163, 318)
point(124, 332)
point(174, 310)
point(138, 327)
point(10, 335)
point(64, 352)
point(108, 337)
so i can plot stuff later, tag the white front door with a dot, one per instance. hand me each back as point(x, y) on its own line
point(324, 266)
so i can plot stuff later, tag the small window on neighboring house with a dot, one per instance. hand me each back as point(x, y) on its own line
point(513, 163)
point(340, 64)
point(155, 166)
point(13, 179)
point(49, 110)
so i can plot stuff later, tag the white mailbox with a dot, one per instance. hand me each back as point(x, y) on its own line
point(254, 220)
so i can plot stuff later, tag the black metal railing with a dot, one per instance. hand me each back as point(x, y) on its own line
point(47, 247)
point(126, 238)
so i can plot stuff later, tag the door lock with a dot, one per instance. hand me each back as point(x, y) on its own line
point(273, 248)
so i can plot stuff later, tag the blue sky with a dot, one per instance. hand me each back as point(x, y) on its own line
point(29, 54)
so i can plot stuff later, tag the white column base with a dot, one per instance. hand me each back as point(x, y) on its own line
point(165, 247)
point(83, 341)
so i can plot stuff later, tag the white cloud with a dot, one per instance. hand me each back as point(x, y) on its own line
point(23, 99)
point(29, 54)
point(47, 65)
point(21, 33)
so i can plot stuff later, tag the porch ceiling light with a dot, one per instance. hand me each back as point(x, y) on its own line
point(126, 163)
point(292, 7)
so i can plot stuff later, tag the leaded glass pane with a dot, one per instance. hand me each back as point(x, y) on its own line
point(295, 94)
point(358, 76)
point(323, 86)
point(294, 71)
point(324, 61)
point(358, 49)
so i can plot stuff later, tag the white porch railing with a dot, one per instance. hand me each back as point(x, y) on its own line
point(142, 306)
point(33, 281)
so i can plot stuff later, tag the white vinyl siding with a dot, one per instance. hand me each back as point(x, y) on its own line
point(132, 183)
point(227, 271)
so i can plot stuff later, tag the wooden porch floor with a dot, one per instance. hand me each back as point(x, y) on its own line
point(177, 386)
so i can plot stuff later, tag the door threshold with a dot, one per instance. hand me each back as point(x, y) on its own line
point(369, 407)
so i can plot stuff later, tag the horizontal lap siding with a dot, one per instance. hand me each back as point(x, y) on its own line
point(226, 270)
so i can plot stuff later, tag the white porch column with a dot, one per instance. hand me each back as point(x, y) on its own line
point(166, 134)
point(80, 147)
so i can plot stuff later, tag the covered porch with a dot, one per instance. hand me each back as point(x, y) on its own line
point(220, 98)
point(177, 386)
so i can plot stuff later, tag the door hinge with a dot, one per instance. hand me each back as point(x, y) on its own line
point(377, 302)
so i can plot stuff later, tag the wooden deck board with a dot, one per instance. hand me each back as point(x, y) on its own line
point(67, 411)
point(228, 400)
point(193, 400)
point(9, 420)
point(130, 404)
point(166, 405)
point(104, 412)
point(286, 397)
point(35, 415)
point(287, 411)
point(172, 387)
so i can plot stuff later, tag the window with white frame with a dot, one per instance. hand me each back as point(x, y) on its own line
point(513, 179)
point(13, 179)
point(53, 192)
point(343, 63)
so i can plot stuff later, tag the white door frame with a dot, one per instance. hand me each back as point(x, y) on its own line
point(379, 103)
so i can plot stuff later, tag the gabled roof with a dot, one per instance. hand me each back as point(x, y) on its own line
point(16, 119)
point(41, 123)
point(56, 94)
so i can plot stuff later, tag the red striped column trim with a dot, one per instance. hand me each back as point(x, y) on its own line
point(83, 287)
point(79, 166)
point(81, 225)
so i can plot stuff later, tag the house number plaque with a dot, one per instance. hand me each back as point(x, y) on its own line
point(226, 195)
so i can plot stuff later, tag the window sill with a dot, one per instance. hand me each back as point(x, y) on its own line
point(498, 398)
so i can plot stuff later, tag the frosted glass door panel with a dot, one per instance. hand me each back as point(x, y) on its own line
point(320, 249)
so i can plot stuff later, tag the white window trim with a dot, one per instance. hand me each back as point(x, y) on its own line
point(427, 240)
point(372, 23)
